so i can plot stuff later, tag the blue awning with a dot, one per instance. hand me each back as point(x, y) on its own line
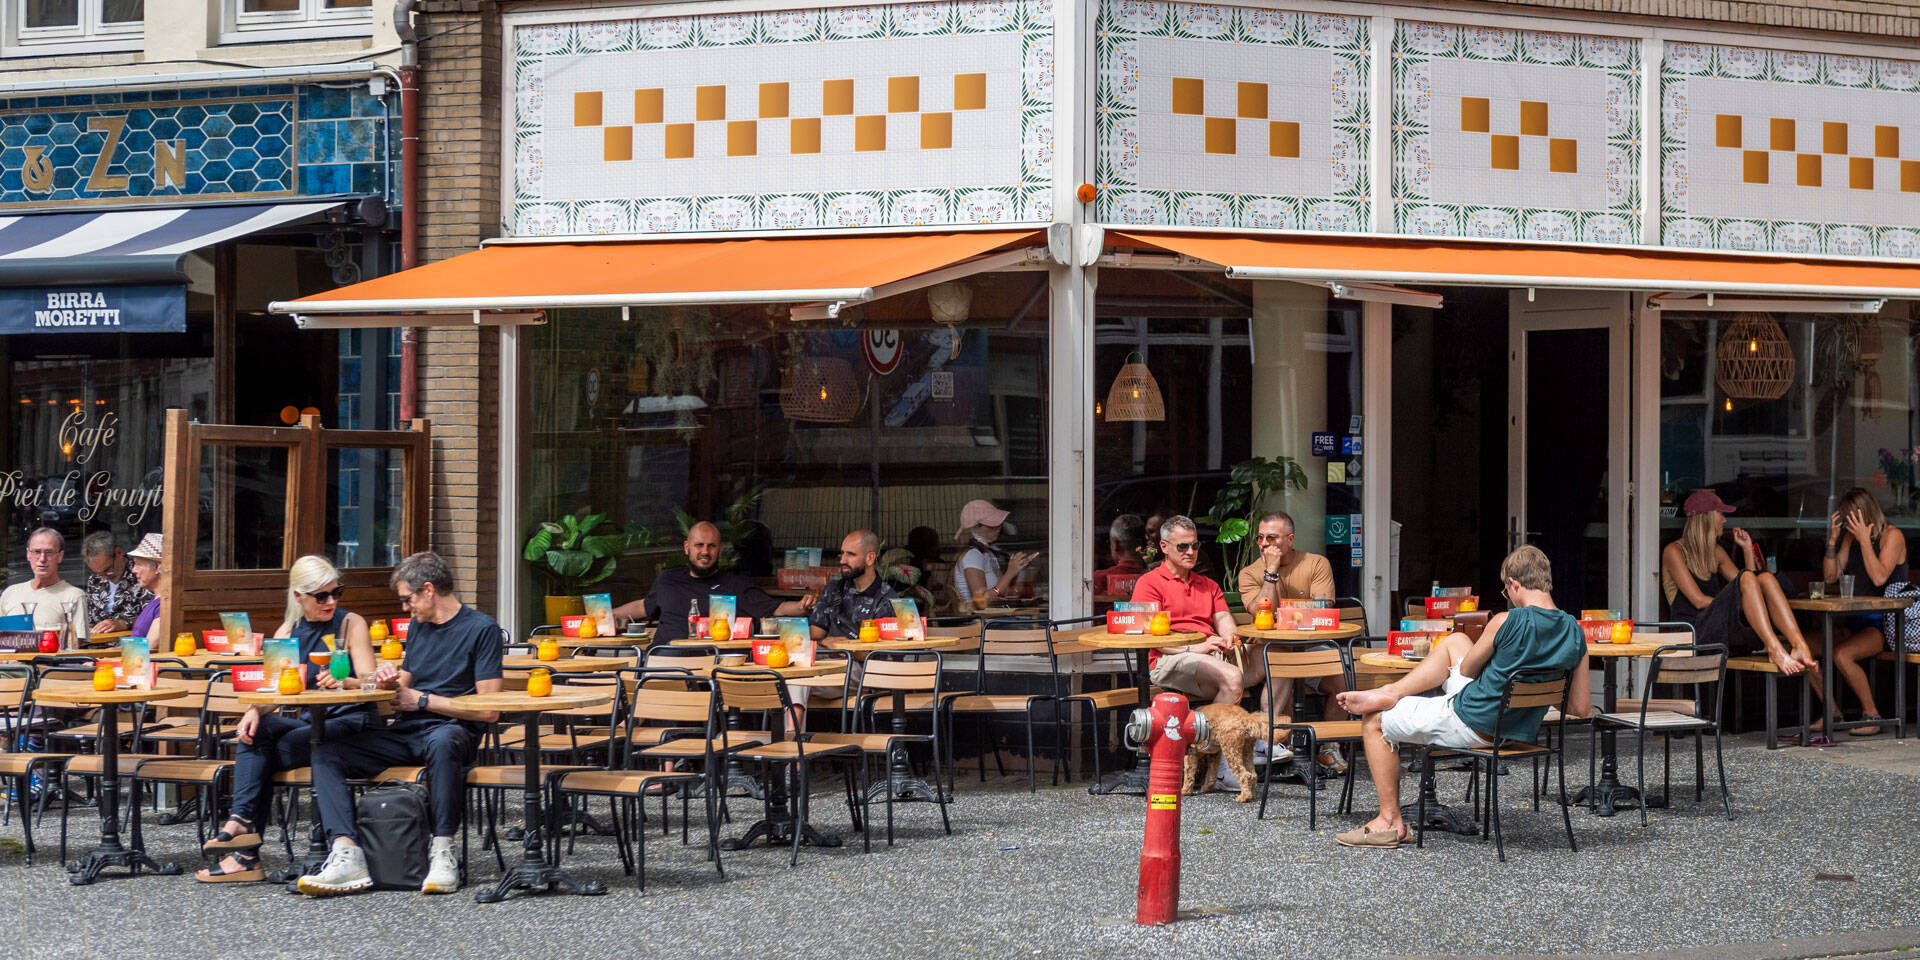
point(118, 271)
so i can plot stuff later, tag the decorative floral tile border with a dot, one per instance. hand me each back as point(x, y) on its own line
point(1679, 229)
point(1416, 45)
point(1120, 26)
point(1029, 201)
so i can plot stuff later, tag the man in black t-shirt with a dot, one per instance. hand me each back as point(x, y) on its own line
point(675, 590)
point(452, 650)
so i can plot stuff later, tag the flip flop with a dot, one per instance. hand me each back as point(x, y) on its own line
point(249, 872)
point(224, 841)
point(1366, 839)
point(1866, 731)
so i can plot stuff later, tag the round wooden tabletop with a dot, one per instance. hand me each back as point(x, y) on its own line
point(790, 672)
point(316, 697)
point(84, 693)
point(519, 701)
point(1340, 632)
point(1633, 648)
point(857, 646)
point(1099, 637)
point(731, 643)
point(200, 660)
point(1832, 604)
point(567, 664)
point(23, 656)
point(1381, 658)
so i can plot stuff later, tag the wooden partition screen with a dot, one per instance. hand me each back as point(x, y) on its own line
point(193, 596)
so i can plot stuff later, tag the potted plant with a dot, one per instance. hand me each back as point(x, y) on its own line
point(1238, 506)
point(574, 553)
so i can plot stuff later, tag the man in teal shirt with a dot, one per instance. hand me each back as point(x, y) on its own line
point(1532, 635)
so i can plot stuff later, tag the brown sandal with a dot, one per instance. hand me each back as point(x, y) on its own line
point(224, 841)
point(249, 872)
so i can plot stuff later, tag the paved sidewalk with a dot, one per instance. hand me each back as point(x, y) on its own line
point(1053, 874)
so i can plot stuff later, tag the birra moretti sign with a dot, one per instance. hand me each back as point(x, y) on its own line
point(153, 308)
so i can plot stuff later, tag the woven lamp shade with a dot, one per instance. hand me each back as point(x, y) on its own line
point(1754, 360)
point(820, 390)
point(1135, 394)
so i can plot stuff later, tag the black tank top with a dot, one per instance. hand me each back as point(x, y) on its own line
point(1710, 587)
point(311, 635)
point(1863, 585)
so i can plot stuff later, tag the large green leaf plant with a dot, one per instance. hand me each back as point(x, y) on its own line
point(1238, 506)
point(579, 551)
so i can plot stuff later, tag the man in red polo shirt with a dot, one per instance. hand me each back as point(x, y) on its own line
point(1195, 605)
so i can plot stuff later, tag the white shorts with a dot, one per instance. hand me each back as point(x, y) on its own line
point(1431, 720)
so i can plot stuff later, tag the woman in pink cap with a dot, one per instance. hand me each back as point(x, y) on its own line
point(978, 577)
point(1742, 607)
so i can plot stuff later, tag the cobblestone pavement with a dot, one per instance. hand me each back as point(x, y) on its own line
point(1819, 862)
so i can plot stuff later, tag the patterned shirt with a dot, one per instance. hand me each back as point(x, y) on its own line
point(115, 600)
point(841, 607)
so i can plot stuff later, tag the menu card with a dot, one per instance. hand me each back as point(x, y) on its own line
point(136, 668)
point(239, 634)
point(797, 635)
point(600, 607)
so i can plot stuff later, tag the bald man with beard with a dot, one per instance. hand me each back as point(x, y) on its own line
point(691, 586)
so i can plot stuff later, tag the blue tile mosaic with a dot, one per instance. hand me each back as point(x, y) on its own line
point(255, 139)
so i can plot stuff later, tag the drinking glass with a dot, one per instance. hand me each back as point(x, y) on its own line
point(1817, 590)
point(1846, 584)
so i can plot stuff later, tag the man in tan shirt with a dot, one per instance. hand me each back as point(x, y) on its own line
point(1283, 573)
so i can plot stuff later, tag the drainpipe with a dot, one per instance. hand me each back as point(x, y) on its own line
point(409, 192)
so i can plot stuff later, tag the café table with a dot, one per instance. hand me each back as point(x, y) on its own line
point(533, 871)
point(900, 780)
point(109, 852)
point(731, 643)
point(1439, 815)
point(1828, 608)
point(1610, 796)
point(574, 664)
point(1134, 780)
point(315, 701)
point(779, 816)
point(27, 656)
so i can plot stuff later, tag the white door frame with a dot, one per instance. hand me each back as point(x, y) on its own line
point(1531, 311)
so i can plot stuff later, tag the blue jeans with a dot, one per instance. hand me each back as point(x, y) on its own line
point(443, 745)
point(280, 743)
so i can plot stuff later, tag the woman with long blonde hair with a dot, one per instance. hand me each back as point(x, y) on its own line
point(268, 742)
point(1861, 544)
point(1740, 606)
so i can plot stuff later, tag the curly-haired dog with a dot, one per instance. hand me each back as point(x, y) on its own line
point(1234, 731)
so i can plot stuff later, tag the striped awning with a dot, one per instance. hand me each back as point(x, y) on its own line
point(128, 246)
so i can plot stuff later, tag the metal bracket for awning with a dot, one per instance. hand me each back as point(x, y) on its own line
point(1711, 303)
point(1023, 258)
point(1384, 293)
point(484, 318)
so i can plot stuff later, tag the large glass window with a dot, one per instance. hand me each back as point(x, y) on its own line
point(1246, 371)
point(53, 26)
point(788, 429)
point(1781, 441)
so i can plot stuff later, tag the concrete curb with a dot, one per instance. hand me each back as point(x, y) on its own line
point(1851, 944)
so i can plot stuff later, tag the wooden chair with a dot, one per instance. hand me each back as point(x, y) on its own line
point(20, 767)
point(1334, 659)
point(1529, 691)
point(1678, 665)
point(498, 772)
point(1018, 637)
point(739, 691)
point(687, 711)
point(895, 675)
point(219, 712)
point(1352, 610)
point(1123, 697)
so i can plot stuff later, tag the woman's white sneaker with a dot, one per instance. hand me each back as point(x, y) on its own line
point(344, 872)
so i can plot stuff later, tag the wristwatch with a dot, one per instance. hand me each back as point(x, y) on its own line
point(420, 702)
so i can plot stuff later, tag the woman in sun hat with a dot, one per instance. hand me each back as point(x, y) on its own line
point(978, 578)
point(144, 558)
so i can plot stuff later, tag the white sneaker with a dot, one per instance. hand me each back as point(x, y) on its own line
point(1272, 754)
point(443, 868)
point(344, 872)
point(1227, 780)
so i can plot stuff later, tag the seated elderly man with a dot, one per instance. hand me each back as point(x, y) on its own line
point(1472, 677)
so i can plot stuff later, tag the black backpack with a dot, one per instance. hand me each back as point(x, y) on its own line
point(393, 828)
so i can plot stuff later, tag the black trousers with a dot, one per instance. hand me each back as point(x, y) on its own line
point(280, 743)
point(443, 745)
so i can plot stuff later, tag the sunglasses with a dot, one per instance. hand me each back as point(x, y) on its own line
point(337, 593)
point(1188, 547)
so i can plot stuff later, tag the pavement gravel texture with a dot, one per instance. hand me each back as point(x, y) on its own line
point(1820, 861)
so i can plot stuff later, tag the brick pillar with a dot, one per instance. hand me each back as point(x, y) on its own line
point(459, 195)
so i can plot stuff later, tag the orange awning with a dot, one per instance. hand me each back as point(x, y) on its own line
point(1415, 261)
point(536, 275)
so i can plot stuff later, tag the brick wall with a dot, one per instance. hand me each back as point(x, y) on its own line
point(459, 192)
point(1874, 19)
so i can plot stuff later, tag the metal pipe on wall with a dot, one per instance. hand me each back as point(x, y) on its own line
point(409, 183)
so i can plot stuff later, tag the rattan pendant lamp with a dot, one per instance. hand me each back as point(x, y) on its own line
point(820, 390)
point(1753, 361)
point(1135, 395)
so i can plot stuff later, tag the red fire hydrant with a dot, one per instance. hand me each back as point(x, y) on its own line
point(1168, 730)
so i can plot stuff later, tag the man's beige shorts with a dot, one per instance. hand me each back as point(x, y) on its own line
point(1180, 672)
